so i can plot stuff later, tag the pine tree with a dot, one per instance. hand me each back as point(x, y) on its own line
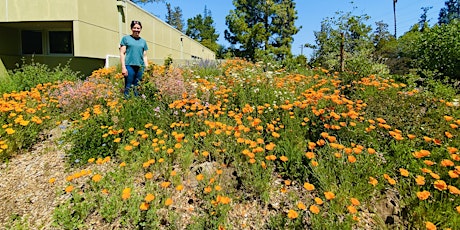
point(174, 17)
point(202, 29)
point(450, 12)
point(262, 28)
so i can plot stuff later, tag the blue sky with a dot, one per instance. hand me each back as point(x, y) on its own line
point(311, 13)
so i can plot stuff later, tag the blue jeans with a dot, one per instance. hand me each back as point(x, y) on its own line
point(133, 79)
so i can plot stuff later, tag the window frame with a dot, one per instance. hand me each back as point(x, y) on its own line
point(43, 48)
point(46, 43)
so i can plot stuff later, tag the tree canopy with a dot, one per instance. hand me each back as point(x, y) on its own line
point(174, 17)
point(262, 28)
point(450, 12)
point(201, 28)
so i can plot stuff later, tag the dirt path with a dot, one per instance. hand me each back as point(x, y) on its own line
point(27, 198)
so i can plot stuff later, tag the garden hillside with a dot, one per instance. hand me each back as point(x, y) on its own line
point(236, 145)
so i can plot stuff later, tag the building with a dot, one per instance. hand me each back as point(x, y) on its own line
point(86, 31)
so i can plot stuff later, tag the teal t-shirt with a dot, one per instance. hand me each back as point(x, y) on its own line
point(135, 48)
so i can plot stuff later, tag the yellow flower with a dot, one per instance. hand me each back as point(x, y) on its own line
point(91, 160)
point(292, 214)
point(448, 118)
point(168, 202)
point(352, 209)
point(270, 146)
point(117, 140)
point(52, 180)
point(199, 177)
point(69, 189)
point(440, 185)
point(435, 176)
point(149, 175)
point(314, 209)
point(314, 163)
point(423, 195)
point(149, 197)
point(351, 159)
point(308, 186)
point(128, 147)
point(454, 190)
point(310, 155)
point(420, 180)
point(223, 199)
point(453, 174)
point(371, 151)
point(207, 189)
point(122, 164)
point(355, 201)
point(126, 194)
point(301, 205)
point(421, 153)
point(430, 226)
point(447, 163)
point(404, 172)
point(165, 184)
point(144, 206)
point(97, 178)
point(179, 187)
point(318, 201)
point(329, 195)
point(10, 131)
point(373, 181)
point(283, 158)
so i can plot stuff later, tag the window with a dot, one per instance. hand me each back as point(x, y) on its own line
point(60, 42)
point(32, 42)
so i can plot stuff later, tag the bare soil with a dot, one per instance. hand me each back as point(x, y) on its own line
point(26, 194)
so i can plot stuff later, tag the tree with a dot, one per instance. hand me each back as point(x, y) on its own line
point(387, 50)
point(202, 29)
point(174, 17)
point(351, 32)
point(384, 42)
point(262, 28)
point(438, 50)
point(450, 12)
point(423, 21)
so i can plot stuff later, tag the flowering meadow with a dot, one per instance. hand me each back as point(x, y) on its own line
point(243, 145)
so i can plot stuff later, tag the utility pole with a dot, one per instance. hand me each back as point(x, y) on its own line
point(301, 49)
point(394, 13)
point(342, 52)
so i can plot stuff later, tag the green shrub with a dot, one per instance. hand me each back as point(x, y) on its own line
point(29, 75)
